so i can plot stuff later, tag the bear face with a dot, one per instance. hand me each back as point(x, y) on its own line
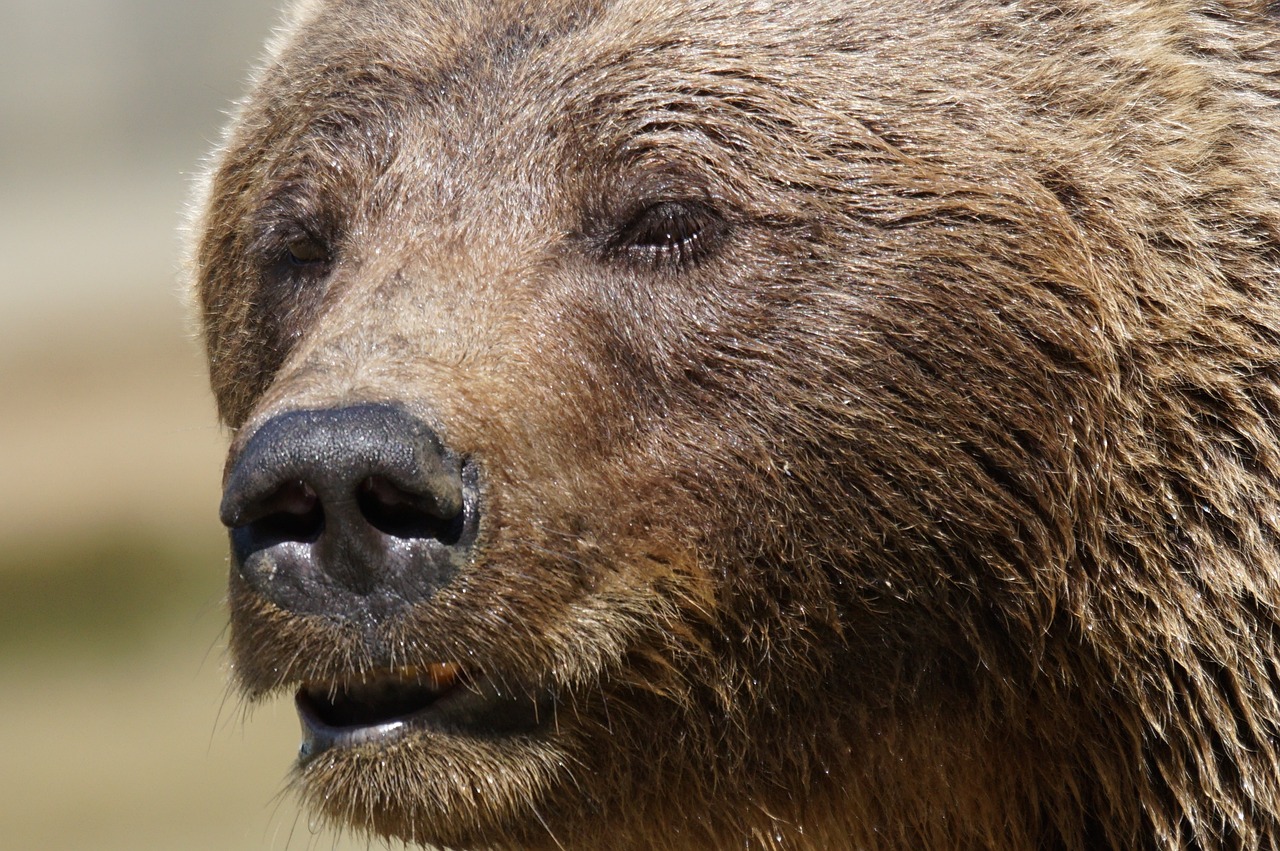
point(696, 425)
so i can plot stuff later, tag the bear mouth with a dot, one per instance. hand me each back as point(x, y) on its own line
point(386, 706)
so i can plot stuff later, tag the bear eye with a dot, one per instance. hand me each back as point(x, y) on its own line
point(306, 251)
point(669, 233)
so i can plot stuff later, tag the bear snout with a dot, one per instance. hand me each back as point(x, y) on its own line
point(354, 512)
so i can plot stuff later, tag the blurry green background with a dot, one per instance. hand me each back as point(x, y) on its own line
point(116, 731)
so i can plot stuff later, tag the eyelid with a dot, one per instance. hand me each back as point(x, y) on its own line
point(668, 232)
point(292, 210)
point(300, 250)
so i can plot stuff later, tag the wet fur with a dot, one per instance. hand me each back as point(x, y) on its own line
point(933, 507)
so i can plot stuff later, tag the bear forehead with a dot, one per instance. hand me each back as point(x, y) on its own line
point(478, 55)
point(464, 35)
point(444, 105)
point(542, 93)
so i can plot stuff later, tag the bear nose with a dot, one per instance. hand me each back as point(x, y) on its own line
point(348, 512)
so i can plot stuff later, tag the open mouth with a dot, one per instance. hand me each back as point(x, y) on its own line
point(382, 708)
point(381, 699)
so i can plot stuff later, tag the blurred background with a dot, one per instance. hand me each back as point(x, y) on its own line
point(116, 731)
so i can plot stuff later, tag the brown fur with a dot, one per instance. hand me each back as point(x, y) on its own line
point(929, 503)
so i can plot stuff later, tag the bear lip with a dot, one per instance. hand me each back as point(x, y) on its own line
point(377, 707)
point(385, 706)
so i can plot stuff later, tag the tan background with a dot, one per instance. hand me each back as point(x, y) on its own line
point(115, 729)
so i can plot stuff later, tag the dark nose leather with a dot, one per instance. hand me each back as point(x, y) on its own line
point(348, 512)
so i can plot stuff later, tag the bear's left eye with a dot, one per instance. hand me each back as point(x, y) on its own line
point(669, 233)
point(306, 251)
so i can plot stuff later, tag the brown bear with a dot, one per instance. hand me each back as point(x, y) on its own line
point(677, 424)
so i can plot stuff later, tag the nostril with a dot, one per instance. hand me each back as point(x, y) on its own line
point(292, 512)
point(399, 513)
